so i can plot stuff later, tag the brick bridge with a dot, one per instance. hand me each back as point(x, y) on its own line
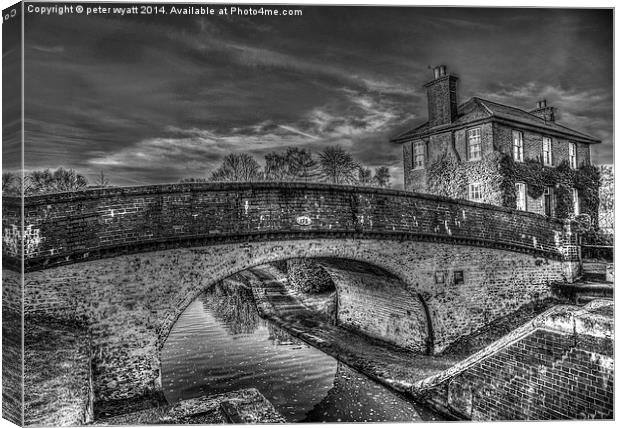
point(416, 270)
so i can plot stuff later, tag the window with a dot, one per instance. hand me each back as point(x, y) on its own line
point(419, 152)
point(548, 201)
point(572, 155)
point(474, 150)
point(459, 277)
point(440, 277)
point(546, 152)
point(576, 201)
point(521, 200)
point(475, 192)
point(517, 146)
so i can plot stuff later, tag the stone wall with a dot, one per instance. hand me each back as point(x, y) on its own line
point(377, 305)
point(131, 302)
point(57, 374)
point(12, 347)
point(558, 366)
point(78, 226)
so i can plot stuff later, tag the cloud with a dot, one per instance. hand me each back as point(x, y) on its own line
point(588, 110)
point(49, 49)
point(297, 131)
point(154, 99)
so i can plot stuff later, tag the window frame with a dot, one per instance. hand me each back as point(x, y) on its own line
point(472, 189)
point(575, 197)
point(422, 145)
point(520, 185)
point(572, 154)
point(548, 197)
point(548, 153)
point(517, 148)
point(476, 133)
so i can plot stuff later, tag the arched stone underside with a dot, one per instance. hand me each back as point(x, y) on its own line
point(376, 303)
point(132, 301)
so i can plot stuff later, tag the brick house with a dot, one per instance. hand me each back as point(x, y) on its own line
point(488, 152)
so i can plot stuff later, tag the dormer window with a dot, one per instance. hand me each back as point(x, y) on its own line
point(572, 155)
point(517, 146)
point(546, 152)
point(474, 149)
point(419, 154)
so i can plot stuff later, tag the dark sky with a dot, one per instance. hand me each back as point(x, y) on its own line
point(154, 99)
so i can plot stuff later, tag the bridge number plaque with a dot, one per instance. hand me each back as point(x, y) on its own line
point(303, 220)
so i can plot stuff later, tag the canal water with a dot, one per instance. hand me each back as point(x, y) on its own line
point(220, 344)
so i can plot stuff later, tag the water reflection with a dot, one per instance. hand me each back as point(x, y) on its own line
point(220, 344)
point(232, 304)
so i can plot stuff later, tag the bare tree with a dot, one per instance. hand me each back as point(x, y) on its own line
point(294, 165)
point(9, 179)
point(364, 176)
point(277, 167)
point(302, 166)
point(65, 180)
point(38, 181)
point(102, 180)
point(61, 180)
point(382, 176)
point(237, 167)
point(338, 166)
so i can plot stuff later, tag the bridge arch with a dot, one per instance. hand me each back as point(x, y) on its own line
point(395, 312)
point(132, 301)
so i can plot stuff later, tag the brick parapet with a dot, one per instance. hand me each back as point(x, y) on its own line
point(563, 357)
point(68, 227)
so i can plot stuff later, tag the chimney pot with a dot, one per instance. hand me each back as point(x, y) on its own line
point(442, 97)
point(543, 111)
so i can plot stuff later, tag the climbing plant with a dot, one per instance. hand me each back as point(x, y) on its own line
point(449, 177)
point(499, 173)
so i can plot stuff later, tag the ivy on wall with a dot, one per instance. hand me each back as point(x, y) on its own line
point(499, 173)
point(449, 177)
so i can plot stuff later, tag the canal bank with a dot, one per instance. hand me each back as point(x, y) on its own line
point(392, 366)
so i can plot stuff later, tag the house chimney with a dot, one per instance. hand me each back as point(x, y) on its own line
point(543, 111)
point(441, 93)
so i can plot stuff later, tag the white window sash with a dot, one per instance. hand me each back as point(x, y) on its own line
point(419, 155)
point(521, 197)
point(547, 155)
point(474, 144)
point(517, 145)
point(576, 201)
point(475, 192)
point(572, 155)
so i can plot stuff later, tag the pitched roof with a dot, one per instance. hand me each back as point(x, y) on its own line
point(477, 108)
